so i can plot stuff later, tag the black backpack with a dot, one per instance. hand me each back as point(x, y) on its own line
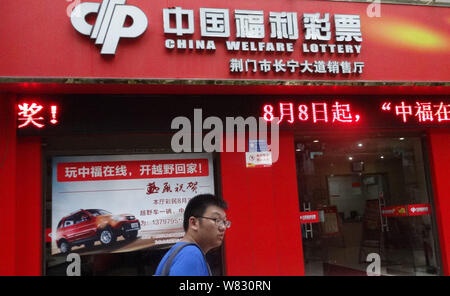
point(166, 268)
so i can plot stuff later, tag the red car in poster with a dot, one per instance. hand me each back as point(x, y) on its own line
point(88, 226)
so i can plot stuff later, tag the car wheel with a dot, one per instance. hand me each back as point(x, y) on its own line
point(65, 247)
point(107, 236)
point(130, 234)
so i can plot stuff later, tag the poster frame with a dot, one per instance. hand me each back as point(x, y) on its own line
point(49, 152)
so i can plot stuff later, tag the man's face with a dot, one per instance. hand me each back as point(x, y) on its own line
point(209, 232)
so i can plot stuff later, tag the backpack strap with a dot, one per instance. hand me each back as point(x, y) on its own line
point(166, 268)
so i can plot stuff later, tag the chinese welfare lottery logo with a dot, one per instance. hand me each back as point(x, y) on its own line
point(110, 24)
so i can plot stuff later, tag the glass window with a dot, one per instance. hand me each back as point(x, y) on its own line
point(68, 223)
point(372, 198)
point(118, 249)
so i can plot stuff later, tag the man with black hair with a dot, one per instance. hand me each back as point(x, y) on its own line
point(204, 223)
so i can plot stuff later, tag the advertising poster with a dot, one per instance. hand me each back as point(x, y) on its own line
point(123, 203)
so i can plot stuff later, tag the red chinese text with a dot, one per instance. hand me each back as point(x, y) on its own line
point(315, 112)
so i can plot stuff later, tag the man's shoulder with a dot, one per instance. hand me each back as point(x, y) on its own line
point(180, 253)
point(191, 249)
point(189, 261)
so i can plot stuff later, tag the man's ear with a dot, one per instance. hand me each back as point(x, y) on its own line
point(193, 223)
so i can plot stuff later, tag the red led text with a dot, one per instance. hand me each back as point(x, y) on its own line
point(32, 114)
point(315, 112)
point(420, 111)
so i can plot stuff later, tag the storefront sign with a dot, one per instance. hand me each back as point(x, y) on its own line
point(267, 40)
point(309, 217)
point(249, 24)
point(61, 115)
point(284, 27)
point(122, 203)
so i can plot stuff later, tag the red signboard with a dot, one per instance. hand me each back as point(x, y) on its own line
point(406, 210)
point(395, 211)
point(309, 217)
point(238, 40)
point(117, 170)
point(419, 209)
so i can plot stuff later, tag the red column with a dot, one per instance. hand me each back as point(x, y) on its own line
point(440, 170)
point(265, 235)
point(29, 207)
point(7, 183)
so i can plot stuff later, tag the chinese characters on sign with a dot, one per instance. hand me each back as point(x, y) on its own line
point(419, 111)
point(166, 187)
point(333, 112)
point(314, 112)
point(419, 209)
point(250, 24)
point(92, 171)
point(258, 159)
point(309, 217)
point(293, 66)
point(283, 30)
point(168, 210)
point(32, 114)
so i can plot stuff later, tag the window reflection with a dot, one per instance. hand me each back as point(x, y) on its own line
point(367, 192)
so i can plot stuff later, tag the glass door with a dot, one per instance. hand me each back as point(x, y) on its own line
point(372, 199)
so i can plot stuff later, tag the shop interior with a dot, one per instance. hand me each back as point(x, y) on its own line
point(351, 181)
